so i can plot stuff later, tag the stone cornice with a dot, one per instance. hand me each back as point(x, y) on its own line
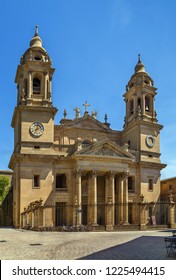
point(153, 165)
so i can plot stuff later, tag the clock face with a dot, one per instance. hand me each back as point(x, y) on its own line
point(150, 141)
point(37, 129)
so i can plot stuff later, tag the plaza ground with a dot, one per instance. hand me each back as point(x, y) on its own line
point(19, 244)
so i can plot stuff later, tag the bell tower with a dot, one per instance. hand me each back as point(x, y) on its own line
point(142, 131)
point(33, 123)
point(33, 118)
point(139, 96)
point(34, 75)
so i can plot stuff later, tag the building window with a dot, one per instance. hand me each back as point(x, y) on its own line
point(147, 103)
point(139, 103)
point(129, 144)
point(60, 181)
point(86, 143)
point(131, 106)
point(36, 86)
point(131, 184)
point(150, 185)
point(170, 187)
point(36, 181)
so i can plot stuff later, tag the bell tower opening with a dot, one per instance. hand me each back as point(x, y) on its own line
point(36, 86)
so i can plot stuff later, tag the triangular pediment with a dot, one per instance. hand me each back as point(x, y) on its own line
point(87, 122)
point(105, 148)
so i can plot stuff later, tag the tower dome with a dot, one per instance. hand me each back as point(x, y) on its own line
point(139, 66)
point(36, 41)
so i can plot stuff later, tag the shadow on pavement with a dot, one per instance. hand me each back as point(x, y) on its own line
point(142, 248)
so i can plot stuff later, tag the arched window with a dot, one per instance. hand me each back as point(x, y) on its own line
point(139, 103)
point(147, 103)
point(36, 86)
point(131, 106)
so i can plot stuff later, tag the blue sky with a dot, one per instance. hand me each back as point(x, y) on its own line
point(94, 45)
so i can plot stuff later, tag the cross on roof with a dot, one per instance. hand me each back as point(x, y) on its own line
point(86, 105)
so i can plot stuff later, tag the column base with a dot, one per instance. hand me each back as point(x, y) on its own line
point(29, 101)
point(171, 225)
point(142, 227)
point(94, 224)
point(109, 227)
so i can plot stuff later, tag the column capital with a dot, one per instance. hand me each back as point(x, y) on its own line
point(77, 172)
point(93, 173)
point(111, 174)
point(124, 175)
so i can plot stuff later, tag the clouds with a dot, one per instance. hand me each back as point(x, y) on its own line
point(120, 16)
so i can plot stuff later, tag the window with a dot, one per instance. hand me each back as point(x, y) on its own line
point(60, 181)
point(170, 187)
point(36, 86)
point(37, 58)
point(150, 156)
point(36, 182)
point(37, 147)
point(150, 185)
point(139, 103)
point(129, 144)
point(131, 106)
point(147, 103)
point(85, 143)
point(131, 184)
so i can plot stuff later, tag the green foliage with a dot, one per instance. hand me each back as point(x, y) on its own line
point(4, 186)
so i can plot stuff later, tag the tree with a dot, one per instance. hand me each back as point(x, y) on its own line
point(4, 186)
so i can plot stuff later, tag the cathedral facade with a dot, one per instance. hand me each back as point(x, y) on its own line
point(81, 171)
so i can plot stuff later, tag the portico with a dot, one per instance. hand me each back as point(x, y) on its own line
point(103, 196)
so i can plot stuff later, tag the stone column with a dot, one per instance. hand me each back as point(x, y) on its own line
point(32, 218)
point(120, 199)
point(45, 86)
point(125, 200)
point(92, 198)
point(171, 212)
point(29, 84)
point(27, 219)
point(50, 88)
point(110, 201)
point(44, 217)
point(142, 209)
point(78, 207)
point(143, 104)
point(135, 104)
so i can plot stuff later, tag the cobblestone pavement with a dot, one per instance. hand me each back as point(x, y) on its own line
point(18, 244)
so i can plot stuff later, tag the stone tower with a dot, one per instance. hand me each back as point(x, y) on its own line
point(33, 120)
point(142, 131)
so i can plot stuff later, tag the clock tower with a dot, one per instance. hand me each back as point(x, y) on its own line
point(33, 118)
point(142, 131)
